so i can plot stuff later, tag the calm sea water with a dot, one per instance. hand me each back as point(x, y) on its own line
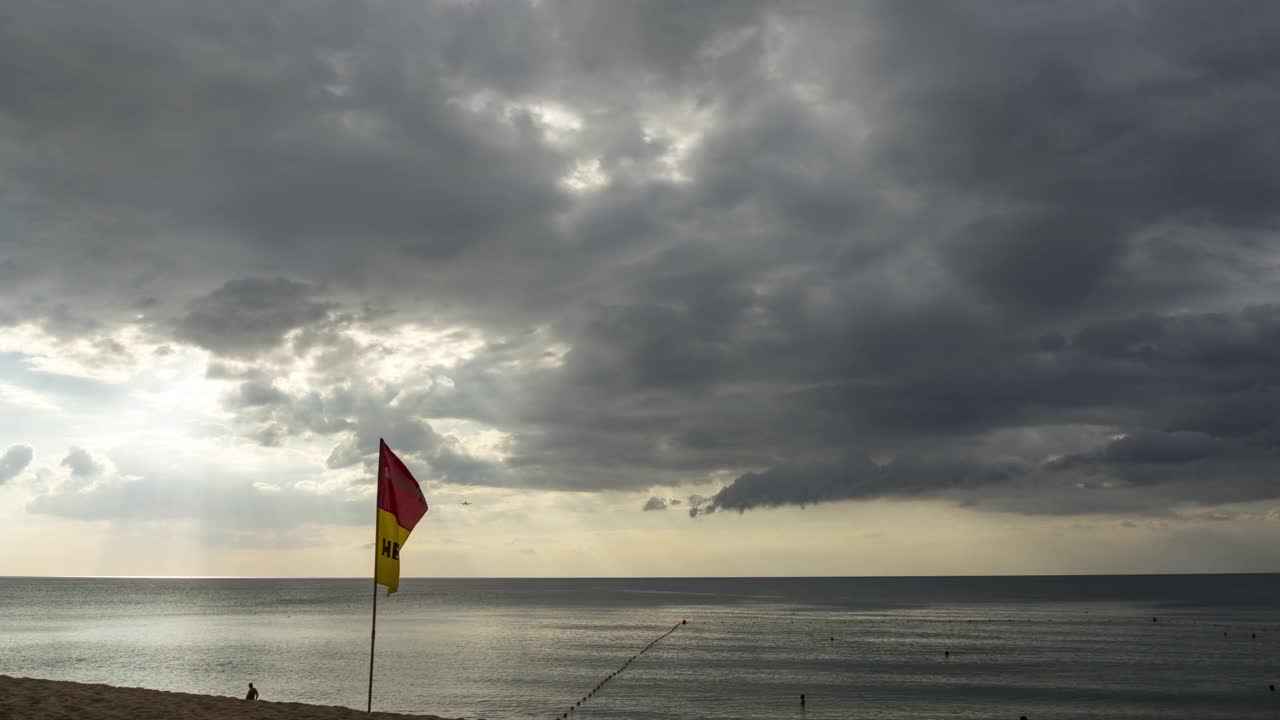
point(1044, 647)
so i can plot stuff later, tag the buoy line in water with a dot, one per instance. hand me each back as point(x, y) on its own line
point(618, 672)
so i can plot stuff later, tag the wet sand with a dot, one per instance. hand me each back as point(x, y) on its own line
point(29, 699)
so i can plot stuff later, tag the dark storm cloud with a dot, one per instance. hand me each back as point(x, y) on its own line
point(14, 461)
point(334, 143)
point(1013, 255)
point(1148, 448)
point(854, 478)
point(1153, 378)
point(250, 315)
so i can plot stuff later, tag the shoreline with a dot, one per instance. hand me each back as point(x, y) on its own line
point(36, 699)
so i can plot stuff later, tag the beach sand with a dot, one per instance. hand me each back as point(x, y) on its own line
point(28, 699)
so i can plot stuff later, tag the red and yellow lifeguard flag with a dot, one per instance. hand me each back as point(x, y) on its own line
point(401, 505)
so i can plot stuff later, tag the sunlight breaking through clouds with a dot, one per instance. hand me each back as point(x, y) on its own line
point(807, 264)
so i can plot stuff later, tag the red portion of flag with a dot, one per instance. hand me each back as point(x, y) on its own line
point(398, 493)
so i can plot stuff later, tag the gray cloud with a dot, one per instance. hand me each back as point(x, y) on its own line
point(940, 233)
point(81, 464)
point(1148, 448)
point(657, 503)
point(654, 503)
point(14, 461)
point(256, 393)
point(853, 478)
point(455, 465)
point(249, 315)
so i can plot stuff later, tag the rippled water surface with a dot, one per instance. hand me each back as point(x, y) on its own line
point(1044, 647)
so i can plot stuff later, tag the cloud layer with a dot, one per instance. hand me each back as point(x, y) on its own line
point(13, 461)
point(1014, 256)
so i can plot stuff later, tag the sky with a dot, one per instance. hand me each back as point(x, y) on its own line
point(658, 288)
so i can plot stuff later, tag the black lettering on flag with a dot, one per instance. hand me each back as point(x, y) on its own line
point(386, 549)
point(395, 551)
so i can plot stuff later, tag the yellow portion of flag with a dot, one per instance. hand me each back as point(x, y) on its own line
point(386, 551)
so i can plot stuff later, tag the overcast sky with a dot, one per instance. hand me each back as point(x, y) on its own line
point(659, 288)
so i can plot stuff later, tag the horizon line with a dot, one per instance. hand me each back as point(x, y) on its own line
point(635, 577)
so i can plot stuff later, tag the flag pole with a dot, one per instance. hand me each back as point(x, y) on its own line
point(373, 628)
point(373, 634)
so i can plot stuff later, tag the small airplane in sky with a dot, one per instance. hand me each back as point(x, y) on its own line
point(464, 502)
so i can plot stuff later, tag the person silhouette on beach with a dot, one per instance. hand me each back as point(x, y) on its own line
point(252, 694)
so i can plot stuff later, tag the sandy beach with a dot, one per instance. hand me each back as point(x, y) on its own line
point(30, 699)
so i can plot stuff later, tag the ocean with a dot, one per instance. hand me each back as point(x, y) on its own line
point(1191, 646)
